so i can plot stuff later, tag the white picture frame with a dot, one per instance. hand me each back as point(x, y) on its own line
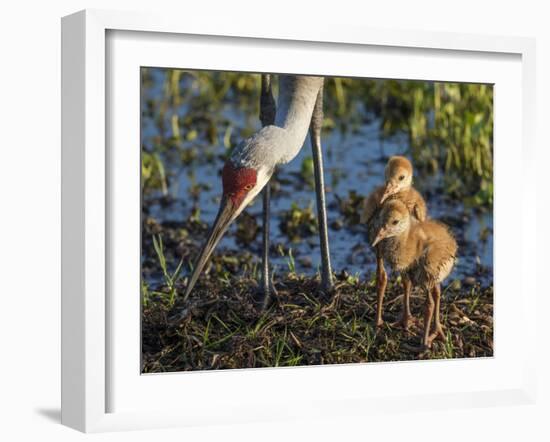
point(87, 207)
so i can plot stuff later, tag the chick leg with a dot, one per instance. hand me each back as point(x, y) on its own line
point(428, 314)
point(438, 328)
point(406, 319)
point(381, 283)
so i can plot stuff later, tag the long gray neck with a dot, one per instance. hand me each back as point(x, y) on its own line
point(297, 95)
point(281, 142)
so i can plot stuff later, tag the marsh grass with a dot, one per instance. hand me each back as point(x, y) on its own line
point(170, 278)
point(449, 126)
point(153, 173)
point(220, 327)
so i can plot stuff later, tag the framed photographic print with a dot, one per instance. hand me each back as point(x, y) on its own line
point(265, 225)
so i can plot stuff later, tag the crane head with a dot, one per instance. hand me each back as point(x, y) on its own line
point(238, 182)
point(399, 174)
point(240, 185)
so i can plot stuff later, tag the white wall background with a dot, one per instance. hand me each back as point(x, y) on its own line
point(30, 214)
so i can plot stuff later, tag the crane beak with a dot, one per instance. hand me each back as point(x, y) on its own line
point(390, 189)
point(223, 219)
point(380, 236)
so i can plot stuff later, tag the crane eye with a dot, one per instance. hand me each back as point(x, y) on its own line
point(248, 187)
point(402, 177)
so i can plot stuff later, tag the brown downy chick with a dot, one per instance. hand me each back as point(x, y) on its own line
point(423, 251)
point(398, 177)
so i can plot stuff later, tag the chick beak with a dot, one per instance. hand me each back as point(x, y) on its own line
point(390, 189)
point(223, 220)
point(379, 237)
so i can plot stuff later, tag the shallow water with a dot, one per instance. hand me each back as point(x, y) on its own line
point(354, 161)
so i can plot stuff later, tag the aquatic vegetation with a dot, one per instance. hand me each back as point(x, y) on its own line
point(291, 263)
point(351, 207)
point(307, 171)
point(449, 125)
point(460, 137)
point(298, 223)
point(153, 174)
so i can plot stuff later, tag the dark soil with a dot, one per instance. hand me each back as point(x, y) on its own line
point(220, 325)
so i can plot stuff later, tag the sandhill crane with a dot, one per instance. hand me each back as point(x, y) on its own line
point(253, 161)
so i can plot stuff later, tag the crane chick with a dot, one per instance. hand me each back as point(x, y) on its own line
point(423, 251)
point(398, 186)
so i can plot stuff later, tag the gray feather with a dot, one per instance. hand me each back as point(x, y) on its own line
point(281, 142)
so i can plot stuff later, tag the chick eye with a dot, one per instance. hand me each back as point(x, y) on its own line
point(248, 187)
point(395, 222)
point(402, 177)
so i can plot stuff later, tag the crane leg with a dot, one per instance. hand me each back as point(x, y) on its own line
point(315, 134)
point(267, 117)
